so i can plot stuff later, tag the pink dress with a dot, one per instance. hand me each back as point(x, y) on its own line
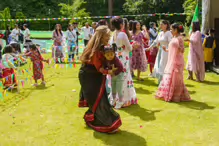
point(139, 61)
point(172, 87)
point(196, 55)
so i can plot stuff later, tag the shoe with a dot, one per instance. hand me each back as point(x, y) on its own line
point(113, 102)
point(35, 85)
point(43, 83)
point(150, 75)
point(119, 105)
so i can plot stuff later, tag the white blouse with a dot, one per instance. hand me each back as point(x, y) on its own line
point(163, 39)
point(122, 40)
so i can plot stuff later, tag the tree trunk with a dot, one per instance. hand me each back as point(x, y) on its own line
point(110, 7)
point(206, 5)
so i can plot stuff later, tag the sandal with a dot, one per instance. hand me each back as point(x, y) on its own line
point(119, 105)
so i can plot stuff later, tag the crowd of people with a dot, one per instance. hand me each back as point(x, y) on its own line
point(110, 59)
point(104, 85)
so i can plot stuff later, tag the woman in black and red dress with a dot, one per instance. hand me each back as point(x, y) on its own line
point(100, 116)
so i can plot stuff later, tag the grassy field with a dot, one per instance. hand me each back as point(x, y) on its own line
point(50, 117)
point(41, 34)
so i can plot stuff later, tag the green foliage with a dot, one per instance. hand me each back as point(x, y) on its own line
point(75, 9)
point(189, 7)
point(5, 14)
point(20, 15)
point(155, 6)
point(22, 9)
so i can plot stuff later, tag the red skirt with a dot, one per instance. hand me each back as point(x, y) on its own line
point(151, 55)
point(10, 77)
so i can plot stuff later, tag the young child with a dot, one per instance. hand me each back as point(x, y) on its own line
point(37, 60)
point(8, 67)
point(209, 45)
point(111, 62)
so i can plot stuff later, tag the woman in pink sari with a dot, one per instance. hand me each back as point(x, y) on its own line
point(172, 87)
point(196, 62)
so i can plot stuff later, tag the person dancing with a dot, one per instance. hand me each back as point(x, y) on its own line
point(162, 40)
point(124, 48)
point(92, 76)
point(172, 87)
point(139, 61)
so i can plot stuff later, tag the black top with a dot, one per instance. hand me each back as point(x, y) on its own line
point(209, 42)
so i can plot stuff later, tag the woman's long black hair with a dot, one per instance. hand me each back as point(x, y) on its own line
point(60, 31)
point(134, 27)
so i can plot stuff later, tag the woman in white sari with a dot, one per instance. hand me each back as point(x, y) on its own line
point(124, 48)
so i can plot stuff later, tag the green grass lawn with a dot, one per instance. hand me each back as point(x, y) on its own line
point(44, 34)
point(41, 34)
point(50, 117)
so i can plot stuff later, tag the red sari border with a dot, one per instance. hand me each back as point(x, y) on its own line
point(106, 129)
point(102, 88)
point(83, 103)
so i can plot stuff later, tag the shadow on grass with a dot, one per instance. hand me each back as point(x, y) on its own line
point(210, 83)
point(140, 90)
point(146, 82)
point(196, 105)
point(41, 87)
point(142, 113)
point(192, 92)
point(15, 100)
point(189, 85)
point(122, 138)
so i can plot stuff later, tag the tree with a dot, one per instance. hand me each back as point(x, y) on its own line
point(155, 6)
point(189, 8)
point(20, 15)
point(5, 14)
point(75, 9)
